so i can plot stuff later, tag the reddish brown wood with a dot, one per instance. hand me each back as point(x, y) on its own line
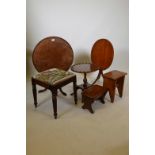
point(113, 80)
point(53, 89)
point(94, 92)
point(53, 52)
point(84, 68)
point(102, 53)
point(88, 101)
point(102, 56)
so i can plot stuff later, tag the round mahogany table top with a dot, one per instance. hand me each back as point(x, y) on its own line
point(84, 68)
point(102, 53)
point(52, 52)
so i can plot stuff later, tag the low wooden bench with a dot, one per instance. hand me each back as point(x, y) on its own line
point(90, 95)
point(112, 80)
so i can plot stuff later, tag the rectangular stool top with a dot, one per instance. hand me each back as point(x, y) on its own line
point(114, 75)
point(53, 76)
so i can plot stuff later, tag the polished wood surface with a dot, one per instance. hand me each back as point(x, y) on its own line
point(114, 75)
point(52, 52)
point(102, 56)
point(53, 89)
point(112, 80)
point(91, 94)
point(84, 68)
point(102, 53)
point(94, 91)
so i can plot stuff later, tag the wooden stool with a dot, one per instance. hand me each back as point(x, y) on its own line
point(90, 95)
point(112, 80)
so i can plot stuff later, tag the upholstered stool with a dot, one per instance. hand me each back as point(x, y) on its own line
point(53, 76)
point(52, 58)
point(53, 79)
point(112, 80)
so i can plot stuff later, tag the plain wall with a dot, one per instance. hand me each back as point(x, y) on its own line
point(81, 23)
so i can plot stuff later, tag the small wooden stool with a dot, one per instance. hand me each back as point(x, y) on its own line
point(90, 95)
point(112, 80)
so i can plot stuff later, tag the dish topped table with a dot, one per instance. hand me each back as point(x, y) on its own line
point(84, 68)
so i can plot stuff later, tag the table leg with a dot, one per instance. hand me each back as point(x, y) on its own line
point(42, 90)
point(75, 91)
point(84, 85)
point(85, 81)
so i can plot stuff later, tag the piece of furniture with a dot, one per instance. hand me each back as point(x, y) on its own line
point(112, 80)
point(52, 57)
point(102, 56)
point(84, 68)
point(91, 94)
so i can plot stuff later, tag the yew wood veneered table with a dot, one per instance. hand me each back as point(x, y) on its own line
point(102, 54)
point(84, 68)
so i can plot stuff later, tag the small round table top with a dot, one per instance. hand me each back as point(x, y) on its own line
point(84, 68)
point(102, 53)
point(52, 52)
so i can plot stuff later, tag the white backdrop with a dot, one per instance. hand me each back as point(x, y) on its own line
point(81, 23)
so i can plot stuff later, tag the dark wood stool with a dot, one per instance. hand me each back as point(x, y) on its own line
point(53, 87)
point(93, 93)
point(112, 80)
point(52, 57)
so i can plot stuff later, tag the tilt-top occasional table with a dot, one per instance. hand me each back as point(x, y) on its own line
point(84, 68)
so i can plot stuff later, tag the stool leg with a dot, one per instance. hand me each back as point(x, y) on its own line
point(34, 90)
point(109, 85)
point(112, 94)
point(112, 90)
point(102, 100)
point(87, 104)
point(103, 96)
point(54, 99)
point(120, 84)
